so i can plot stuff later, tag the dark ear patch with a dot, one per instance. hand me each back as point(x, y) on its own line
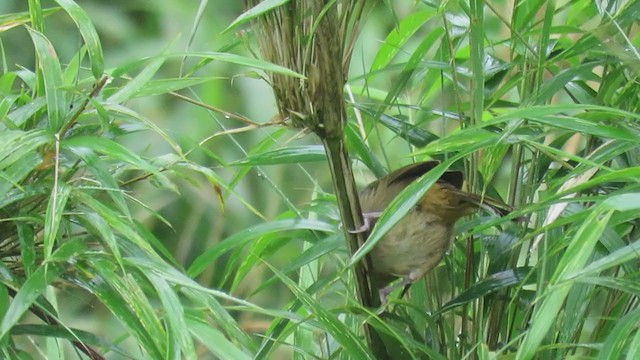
point(455, 178)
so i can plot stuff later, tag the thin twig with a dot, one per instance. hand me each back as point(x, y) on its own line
point(97, 88)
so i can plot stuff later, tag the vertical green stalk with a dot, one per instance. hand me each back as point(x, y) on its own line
point(37, 23)
point(476, 45)
point(351, 215)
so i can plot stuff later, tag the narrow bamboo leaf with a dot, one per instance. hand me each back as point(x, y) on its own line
point(289, 155)
point(89, 34)
point(477, 58)
point(111, 148)
point(17, 146)
point(623, 202)
point(490, 284)
point(560, 80)
point(101, 230)
point(127, 113)
point(354, 346)
point(313, 253)
point(26, 237)
point(588, 127)
point(410, 132)
point(4, 301)
point(461, 140)
point(15, 173)
point(61, 332)
point(134, 85)
point(164, 86)
point(175, 315)
point(195, 292)
point(254, 12)
point(103, 175)
point(216, 180)
point(214, 340)
point(616, 342)
point(492, 160)
point(69, 249)
point(27, 192)
point(399, 36)
point(357, 145)
point(53, 83)
point(410, 67)
point(633, 350)
point(72, 70)
point(246, 61)
point(9, 21)
point(53, 216)
point(102, 285)
point(536, 112)
point(116, 221)
point(24, 112)
point(620, 256)
point(27, 295)
point(578, 252)
point(130, 289)
point(267, 143)
point(246, 236)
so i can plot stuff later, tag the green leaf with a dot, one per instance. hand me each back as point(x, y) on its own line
point(245, 61)
point(103, 175)
point(53, 217)
point(486, 286)
point(312, 253)
point(398, 37)
point(139, 82)
point(61, 332)
point(214, 340)
point(27, 295)
point(243, 237)
point(174, 312)
point(588, 127)
point(111, 148)
point(460, 141)
point(357, 145)
point(616, 342)
point(116, 222)
point(9, 21)
point(15, 173)
point(53, 81)
point(289, 155)
point(89, 34)
point(410, 132)
point(165, 86)
point(574, 258)
point(119, 296)
point(354, 346)
point(254, 12)
point(26, 238)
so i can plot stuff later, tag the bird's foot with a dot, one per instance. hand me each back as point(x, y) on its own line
point(369, 220)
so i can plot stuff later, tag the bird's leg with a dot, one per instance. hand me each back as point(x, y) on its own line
point(369, 219)
point(384, 292)
point(405, 290)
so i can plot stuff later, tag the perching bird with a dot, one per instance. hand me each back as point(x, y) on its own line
point(417, 243)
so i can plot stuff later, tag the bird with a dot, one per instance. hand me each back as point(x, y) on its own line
point(419, 241)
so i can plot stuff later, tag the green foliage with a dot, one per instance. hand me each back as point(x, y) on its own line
point(110, 188)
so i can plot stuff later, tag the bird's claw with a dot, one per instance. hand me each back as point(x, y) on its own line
point(368, 219)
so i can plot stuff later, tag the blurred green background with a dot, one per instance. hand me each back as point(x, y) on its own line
point(134, 30)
